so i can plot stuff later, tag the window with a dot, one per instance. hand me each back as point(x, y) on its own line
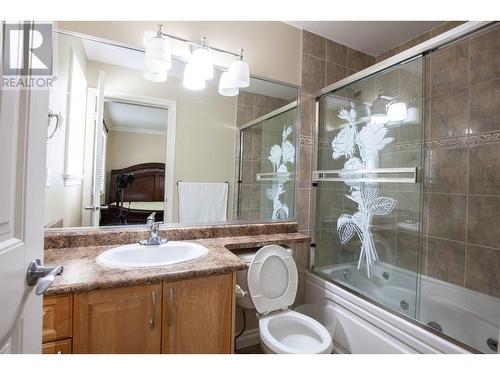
point(75, 138)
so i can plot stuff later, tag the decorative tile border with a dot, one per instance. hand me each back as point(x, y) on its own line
point(306, 140)
point(252, 157)
point(485, 138)
point(444, 143)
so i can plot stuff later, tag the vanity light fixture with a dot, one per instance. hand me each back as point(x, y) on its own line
point(203, 61)
point(193, 77)
point(226, 87)
point(200, 68)
point(239, 72)
point(397, 110)
point(379, 109)
point(158, 57)
point(388, 109)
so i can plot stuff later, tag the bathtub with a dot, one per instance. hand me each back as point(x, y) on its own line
point(360, 326)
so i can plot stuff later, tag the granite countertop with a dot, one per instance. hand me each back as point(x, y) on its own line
point(82, 273)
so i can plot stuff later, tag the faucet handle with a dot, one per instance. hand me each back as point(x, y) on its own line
point(151, 217)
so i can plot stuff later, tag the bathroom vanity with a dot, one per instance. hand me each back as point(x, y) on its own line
point(183, 308)
point(161, 318)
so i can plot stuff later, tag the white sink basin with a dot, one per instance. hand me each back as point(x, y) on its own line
point(141, 256)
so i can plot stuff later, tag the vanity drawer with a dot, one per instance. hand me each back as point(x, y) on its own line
point(58, 347)
point(57, 318)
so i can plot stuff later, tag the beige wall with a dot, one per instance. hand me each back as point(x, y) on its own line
point(125, 149)
point(271, 48)
point(62, 202)
point(206, 124)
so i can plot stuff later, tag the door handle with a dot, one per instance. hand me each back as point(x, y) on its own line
point(96, 208)
point(41, 276)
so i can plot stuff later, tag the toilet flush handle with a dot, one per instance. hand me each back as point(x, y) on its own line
point(239, 292)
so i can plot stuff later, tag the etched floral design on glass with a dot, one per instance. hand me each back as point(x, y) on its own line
point(361, 148)
point(280, 156)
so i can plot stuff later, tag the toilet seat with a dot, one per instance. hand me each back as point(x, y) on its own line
point(272, 279)
point(290, 332)
point(272, 283)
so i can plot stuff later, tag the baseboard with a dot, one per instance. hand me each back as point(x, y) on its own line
point(248, 338)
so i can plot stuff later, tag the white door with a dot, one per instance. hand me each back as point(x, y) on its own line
point(23, 131)
point(95, 147)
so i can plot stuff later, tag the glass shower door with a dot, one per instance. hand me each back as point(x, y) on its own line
point(267, 169)
point(368, 199)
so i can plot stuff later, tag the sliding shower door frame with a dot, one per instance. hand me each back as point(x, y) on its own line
point(287, 107)
point(420, 50)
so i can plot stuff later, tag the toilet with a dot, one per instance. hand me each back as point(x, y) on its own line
point(271, 282)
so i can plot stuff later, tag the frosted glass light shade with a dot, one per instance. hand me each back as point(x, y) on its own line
point(397, 111)
point(158, 55)
point(203, 61)
point(413, 115)
point(155, 76)
point(193, 78)
point(225, 86)
point(239, 73)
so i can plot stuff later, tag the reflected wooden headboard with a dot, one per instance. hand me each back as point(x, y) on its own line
point(148, 185)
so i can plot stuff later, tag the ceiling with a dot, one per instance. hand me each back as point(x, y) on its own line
point(132, 117)
point(371, 37)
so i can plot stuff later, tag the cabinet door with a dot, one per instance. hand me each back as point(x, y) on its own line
point(57, 318)
point(122, 320)
point(198, 315)
point(57, 347)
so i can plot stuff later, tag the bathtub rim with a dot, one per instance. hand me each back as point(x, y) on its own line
point(378, 311)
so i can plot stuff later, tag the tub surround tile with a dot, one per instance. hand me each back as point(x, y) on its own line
point(408, 251)
point(447, 170)
point(335, 73)
point(447, 216)
point(303, 207)
point(246, 98)
point(307, 109)
point(483, 265)
point(484, 107)
point(484, 220)
point(356, 60)
point(336, 53)
point(262, 101)
point(82, 273)
point(313, 74)
point(305, 164)
point(450, 68)
point(484, 170)
point(446, 260)
point(313, 44)
point(485, 56)
point(449, 115)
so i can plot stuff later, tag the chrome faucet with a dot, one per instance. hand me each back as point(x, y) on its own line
point(154, 232)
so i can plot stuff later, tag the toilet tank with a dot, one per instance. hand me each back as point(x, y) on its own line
point(241, 277)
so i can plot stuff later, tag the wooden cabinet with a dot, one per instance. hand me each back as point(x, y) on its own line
point(57, 318)
point(187, 316)
point(57, 347)
point(198, 315)
point(121, 320)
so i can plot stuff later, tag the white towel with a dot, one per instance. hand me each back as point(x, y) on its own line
point(202, 201)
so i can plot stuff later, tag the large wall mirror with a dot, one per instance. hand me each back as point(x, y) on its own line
point(121, 147)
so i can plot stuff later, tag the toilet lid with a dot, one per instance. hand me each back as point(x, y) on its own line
point(272, 279)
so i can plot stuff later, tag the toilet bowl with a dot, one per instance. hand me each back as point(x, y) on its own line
point(272, 284)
